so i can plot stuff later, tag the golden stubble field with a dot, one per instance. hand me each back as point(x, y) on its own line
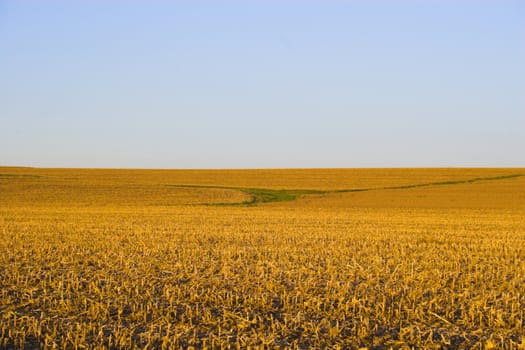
point(162, 259)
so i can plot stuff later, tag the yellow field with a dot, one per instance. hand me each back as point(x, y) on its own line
point(424, 258)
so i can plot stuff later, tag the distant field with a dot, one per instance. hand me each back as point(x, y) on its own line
point(296, 258)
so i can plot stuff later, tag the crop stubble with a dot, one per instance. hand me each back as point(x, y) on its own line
point(115, 258)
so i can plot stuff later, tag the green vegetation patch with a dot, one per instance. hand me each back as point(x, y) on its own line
point(258, 195)
point(263, 195)
point(266, 195)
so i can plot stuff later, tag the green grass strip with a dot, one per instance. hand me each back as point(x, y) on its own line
point(266, 195)
point(257, 195)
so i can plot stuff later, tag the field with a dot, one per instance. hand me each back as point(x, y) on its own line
point(302, 258)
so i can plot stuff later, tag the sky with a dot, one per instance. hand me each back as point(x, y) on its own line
point(262, 84)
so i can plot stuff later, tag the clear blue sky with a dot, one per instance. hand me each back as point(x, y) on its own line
point(243, 84)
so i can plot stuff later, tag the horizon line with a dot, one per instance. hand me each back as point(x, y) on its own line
point(261, 168)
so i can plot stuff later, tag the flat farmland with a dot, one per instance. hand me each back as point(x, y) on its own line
point(277, 258)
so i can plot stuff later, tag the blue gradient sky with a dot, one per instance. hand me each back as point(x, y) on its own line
point(216, 84)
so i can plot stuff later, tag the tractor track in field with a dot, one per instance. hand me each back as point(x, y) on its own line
point(266, 195)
